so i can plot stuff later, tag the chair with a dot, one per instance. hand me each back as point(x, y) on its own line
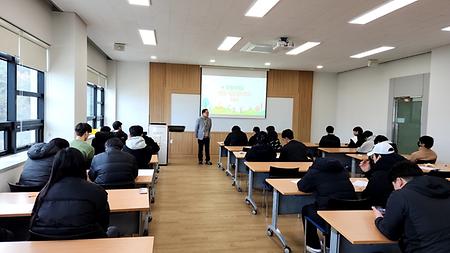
point(16, 187)
point(336, 204)
point(276, 172)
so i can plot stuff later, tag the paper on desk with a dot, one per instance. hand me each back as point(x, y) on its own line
point(360, 183)
point(295, 181)
point(427, 168)
point(145, 172)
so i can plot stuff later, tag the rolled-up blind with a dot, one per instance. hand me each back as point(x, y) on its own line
point(33, 55)
point(9, 42)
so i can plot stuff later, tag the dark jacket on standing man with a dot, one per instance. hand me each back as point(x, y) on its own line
point(417, 214)
point(293, 151)
point(326, 179)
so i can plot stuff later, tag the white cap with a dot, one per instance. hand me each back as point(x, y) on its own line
point(382, 148)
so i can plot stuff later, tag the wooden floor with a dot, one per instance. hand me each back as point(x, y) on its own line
point(197, 210)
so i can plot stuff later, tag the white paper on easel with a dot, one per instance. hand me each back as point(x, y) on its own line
point(295, 181)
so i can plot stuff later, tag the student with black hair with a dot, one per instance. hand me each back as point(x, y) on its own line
point(69, 207)
point(82, 131)
point(38, 167)
point(273, 138)
point(382, 138)
point(424, 154)
point(118, 132)
point(114, 166)
point(136, 146)
point(417, 211)
point(261, 151)
point(100, 139)
point(293, 150)
point(368, 143)
point(236, 137)
point(252, 141)
point(330, 140)
point(377, 168)
point(357, 140)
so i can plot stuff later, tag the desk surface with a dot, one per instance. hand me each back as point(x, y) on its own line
point(145, 176)
point(221, 143)
point(20, 204)
point(154, 159)
point(236, 148)
point(288, 186)
point(358, 227)
point(359, 157)
point(311, 145)
point(339, 150)
point(442, 167)
point(110, 245)
point(265, 166)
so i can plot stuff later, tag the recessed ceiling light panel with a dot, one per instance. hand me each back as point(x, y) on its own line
point(139, 2)
point(302, 48)
point(260, 8)
point(228, 43)
point(380, 11)
point(148, 37)
point(372, 52)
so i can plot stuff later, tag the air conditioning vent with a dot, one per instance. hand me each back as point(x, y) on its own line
point(257, 48)
point(119, 46)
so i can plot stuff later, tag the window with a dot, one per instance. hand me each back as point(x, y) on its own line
point(21, 106)
point(95, 105)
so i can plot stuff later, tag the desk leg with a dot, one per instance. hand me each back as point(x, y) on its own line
point(273, 228)
point(249, 199)
point(144, 219)
point(219, 161)
point(353, 167)
point(334, 241)
point(323, 154)
point(228, 171)
point(236, 175)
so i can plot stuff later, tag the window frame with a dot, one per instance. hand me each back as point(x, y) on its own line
point(12, 126)
point(97, 116)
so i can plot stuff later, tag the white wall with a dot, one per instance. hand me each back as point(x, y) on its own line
point(111, 93)
point(96, 59)
point(439, 103)
point(323, 103)
point(363, 94)
point(32, 16)
point(133, 94)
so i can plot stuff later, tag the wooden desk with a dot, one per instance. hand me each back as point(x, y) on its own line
point(259, 171)
point(20, 204)
point(357, 227)
point(287, 189)
point(441, 167)
point(222, 153)
point(311, 145)
point(356, 158)
point(230, 151)
point(337, 151)
point(154, 159)
point(110, 245)
point(147, 178)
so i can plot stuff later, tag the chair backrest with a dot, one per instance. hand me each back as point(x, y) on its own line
point(15, 187)
point(426, 161)
point(349, 204)
point(276, 172)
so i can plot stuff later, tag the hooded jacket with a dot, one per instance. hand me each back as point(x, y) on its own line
point(327, 178)
point(137, 147)
point(113, 167)
point(417, 214)
point(367, 146)
point(380, 186)
point(37, 169)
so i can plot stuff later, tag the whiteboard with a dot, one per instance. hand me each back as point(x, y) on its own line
point(185, 109)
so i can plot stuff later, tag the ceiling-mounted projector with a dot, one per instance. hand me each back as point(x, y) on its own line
point(283, 43)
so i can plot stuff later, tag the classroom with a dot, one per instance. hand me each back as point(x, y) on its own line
point(224, 126)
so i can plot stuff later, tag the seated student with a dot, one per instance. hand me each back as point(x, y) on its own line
point(293, 150)
point(261, 151)
point(382, 138)
point(82, 131)
point(330, 140)
point(100, 139)
point(368, 143)
point(424, 154)
point(117, 126)
point(38, 166)
point(417, 211)
point(6, 235)
point(357, 139)
point(273, 138)
point(150, 142)
point(70, 207)
point(136, 146)
point(252, 140)
point(381, 159)
point(236, 137)
point(114, 166)
point(326, 178)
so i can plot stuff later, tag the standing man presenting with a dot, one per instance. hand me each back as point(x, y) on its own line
point(202, 133)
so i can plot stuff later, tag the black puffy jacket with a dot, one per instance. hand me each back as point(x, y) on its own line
point(37, 169)
point(417, 214)
point(327, 178)
point(236, 138)
point(261, 153)
point(380, 186)
point(153, 145)
point(71, 207)
point(99, 141)
point(113, 167)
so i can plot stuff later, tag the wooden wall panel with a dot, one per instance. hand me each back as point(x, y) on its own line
point(166, 78)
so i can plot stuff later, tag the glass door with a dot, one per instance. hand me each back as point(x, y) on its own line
point(407, 123)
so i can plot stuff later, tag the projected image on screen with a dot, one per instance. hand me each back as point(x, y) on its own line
point(234, 93)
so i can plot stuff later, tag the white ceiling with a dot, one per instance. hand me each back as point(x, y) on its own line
point(189, 31)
